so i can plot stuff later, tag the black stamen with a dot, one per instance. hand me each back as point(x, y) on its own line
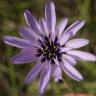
point(60, 81)
point(43, 59)
point(50, 50)
point(52, 61)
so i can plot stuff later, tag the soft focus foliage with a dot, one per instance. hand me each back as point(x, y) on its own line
point(12, 76)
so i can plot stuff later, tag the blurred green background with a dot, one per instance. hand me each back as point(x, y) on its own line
point(12, 76)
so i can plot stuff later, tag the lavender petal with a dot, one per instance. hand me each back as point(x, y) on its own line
point(28, 33)
point(71, 71)
point(33, 73)
point(61, 26)
point(71, 31)
point(44, 27)
point(44, 78)
point(77, 43)
point(32, 22)
point(50, 16)
point(25, 56)
point(16, 42)
point(57, 73)
point(75, 27)
point(64, 38)
point(70, 59)
point(85, 56)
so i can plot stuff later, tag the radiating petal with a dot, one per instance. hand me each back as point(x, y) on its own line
point(75, 27)
point(57, 73)
point(61, 26)
point(82, 55)
point(64, 38)
point(70, 59)
point(44, 27)
point(56, 61)
point(16, 42)
point(44, 78)
point(25, 56)
point(71, 31)
point(28, 34)
point(32, 22)
point(71, 71)
point(77, 43)
point(64, 49)
point(50, 16)
point(33, 73)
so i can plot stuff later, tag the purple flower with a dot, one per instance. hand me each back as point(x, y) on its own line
point(48, 44)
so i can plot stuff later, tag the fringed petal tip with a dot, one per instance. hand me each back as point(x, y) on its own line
point(26, 11)
point(60, 81)
point(57, 74)
point(26, 14)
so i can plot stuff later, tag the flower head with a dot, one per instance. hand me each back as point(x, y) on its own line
point(48, 44)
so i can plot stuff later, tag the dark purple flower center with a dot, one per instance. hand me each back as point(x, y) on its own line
point(49, 50)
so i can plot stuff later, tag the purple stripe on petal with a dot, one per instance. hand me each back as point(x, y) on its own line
point(25, 56)
point(75, 27)
point(71, 31)
point(28, 34)
point(71, 71)
point(61, 26)
point(33, 73)
point(50, 16)
point(44, 26)
point(16, 42)
point(64, 38)
point(70, 59)
point(32, 22)
point(77, 43)
point(57, 73)
point(44, 78)
point(85, 56)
